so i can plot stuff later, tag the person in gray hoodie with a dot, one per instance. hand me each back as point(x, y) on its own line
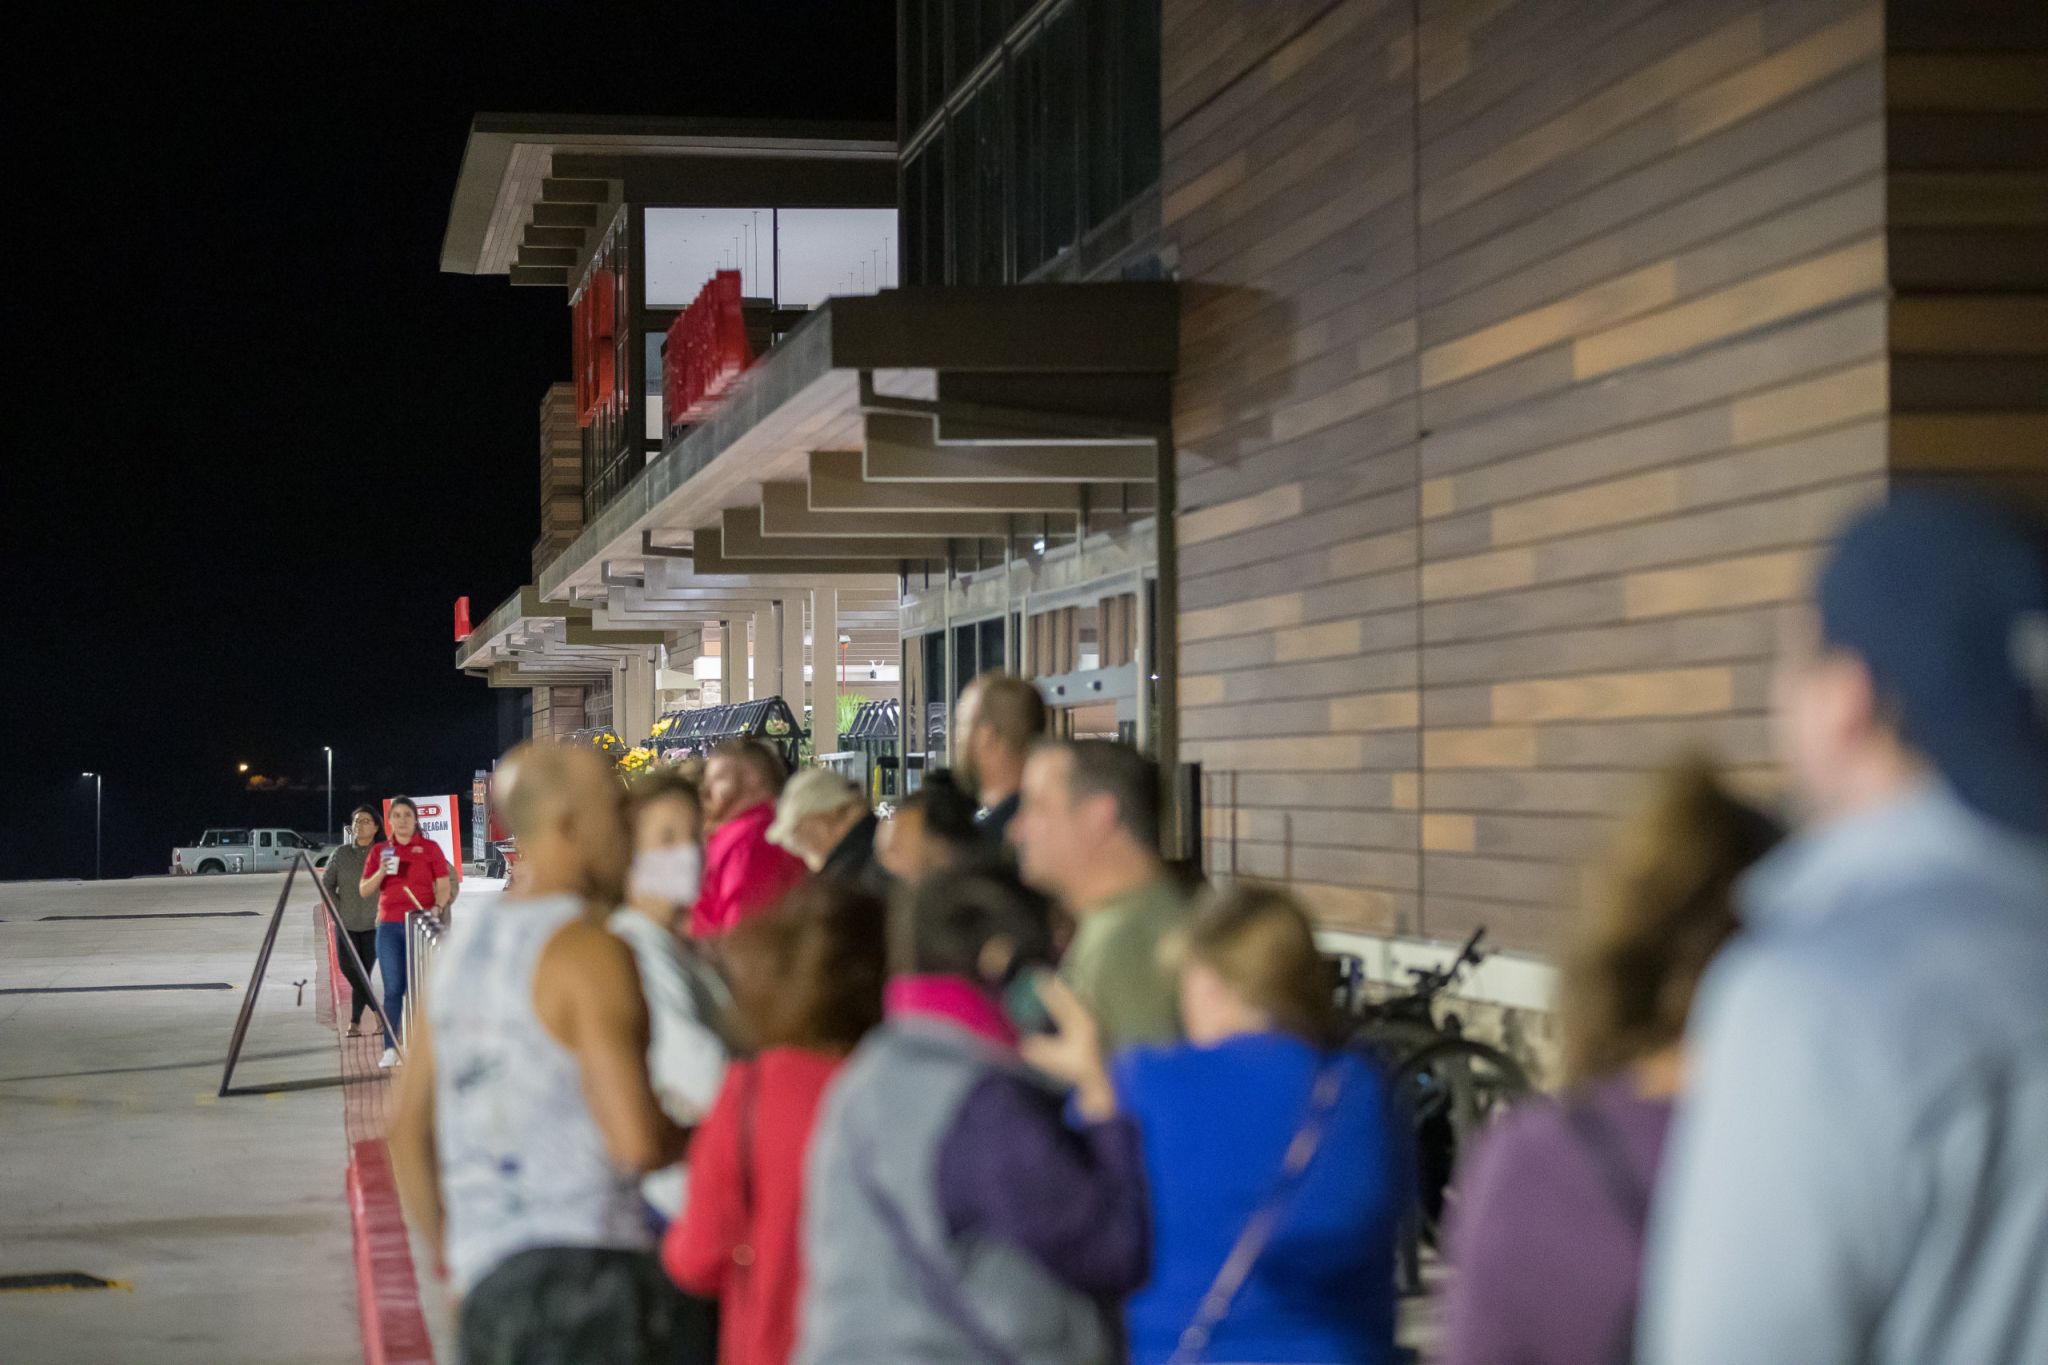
point(1860, 1169)
point(342, 877)
point(951, 1213)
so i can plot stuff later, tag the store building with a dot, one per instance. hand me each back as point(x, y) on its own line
point(1506, 366)
point(1529, 352)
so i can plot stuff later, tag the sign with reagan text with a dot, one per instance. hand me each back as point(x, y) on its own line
point(437, 822)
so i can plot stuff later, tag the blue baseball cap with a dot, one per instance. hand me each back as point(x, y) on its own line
point(1944, 596)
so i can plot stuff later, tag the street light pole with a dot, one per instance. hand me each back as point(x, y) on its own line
point(99, 785)
point(330, 790)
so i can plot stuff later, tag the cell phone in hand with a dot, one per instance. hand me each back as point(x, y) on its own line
point(1025, 1006)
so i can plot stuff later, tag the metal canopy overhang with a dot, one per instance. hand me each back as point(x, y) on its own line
point(526, 642)
point(888, 430)
point(528, 192)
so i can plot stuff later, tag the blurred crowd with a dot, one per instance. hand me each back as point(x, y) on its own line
point(740, 1072)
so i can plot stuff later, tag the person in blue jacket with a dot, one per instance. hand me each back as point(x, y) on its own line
point(1270, 1154)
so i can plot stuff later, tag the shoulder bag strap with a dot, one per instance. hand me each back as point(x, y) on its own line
point(1258, 1229)
point(937, 1281)
point(1626, 1190)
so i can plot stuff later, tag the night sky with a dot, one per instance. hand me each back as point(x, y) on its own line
point(255, 444)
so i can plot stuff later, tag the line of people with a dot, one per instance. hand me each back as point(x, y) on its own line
point(738, 1074)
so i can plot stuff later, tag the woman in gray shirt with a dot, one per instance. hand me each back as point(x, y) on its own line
point(343, 877)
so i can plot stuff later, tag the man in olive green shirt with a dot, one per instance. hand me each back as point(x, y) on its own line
point(1087, 831)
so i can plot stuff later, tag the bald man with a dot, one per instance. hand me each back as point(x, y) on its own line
point(1001, 716)
point(525, 1116)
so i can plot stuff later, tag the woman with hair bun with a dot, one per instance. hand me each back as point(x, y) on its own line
point(1548, 1218)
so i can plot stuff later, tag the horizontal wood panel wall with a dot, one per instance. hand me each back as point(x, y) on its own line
point(557, 712)
point(561, 475)
point(1529, 350)
point(1967, 141)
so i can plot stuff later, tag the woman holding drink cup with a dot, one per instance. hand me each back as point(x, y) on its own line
point(404, 872)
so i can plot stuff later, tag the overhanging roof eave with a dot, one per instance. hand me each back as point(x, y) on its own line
point(814, 377)
point(487, 153)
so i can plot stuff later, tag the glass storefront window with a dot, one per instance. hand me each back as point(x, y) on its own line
point(822, 252)
point(686, 247)
point(796, 258)
point(1056, 139)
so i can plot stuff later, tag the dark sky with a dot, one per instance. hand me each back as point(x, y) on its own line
point(255, 444)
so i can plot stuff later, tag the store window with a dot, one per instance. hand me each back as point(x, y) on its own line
point(788, 258)
point(1053, 137)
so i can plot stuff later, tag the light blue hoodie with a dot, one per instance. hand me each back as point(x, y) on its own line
point(1860, 1169)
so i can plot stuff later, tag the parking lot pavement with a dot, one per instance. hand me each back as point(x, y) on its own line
point(221, 1219)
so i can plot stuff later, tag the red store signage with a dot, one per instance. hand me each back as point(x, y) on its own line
point(593, 342)
point(707, 350)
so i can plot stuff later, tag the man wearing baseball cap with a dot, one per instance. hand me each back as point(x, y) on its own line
point(824, 820)
point(1860, 1169)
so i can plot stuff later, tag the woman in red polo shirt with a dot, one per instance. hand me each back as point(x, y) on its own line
point(405, 872)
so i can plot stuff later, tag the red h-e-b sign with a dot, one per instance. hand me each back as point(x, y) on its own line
point(592, 340)
point(707, 350)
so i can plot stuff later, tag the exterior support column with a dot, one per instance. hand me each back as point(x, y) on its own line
point(728, 668)
point(633, 704)
point(789, 617)
point(824, 669)
point(767, 654)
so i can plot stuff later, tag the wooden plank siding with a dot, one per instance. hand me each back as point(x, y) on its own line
point(1967, 141)
point(1530, 350)
point(561, 475)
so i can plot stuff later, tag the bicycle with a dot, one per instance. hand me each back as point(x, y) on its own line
point(1448, 1087)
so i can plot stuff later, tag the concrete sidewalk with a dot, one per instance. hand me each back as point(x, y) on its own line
point(225, 1217)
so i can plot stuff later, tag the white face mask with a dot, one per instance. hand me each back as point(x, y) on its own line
point(670, 875)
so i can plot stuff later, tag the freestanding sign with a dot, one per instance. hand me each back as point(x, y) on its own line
point(479, 797)
point(437, 822)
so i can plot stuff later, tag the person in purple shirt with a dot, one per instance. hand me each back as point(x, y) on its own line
point(952, 1212)
point(1548, 1217)
point(1271, 1156)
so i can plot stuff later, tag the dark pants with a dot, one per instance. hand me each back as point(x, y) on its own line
point(391, 966)
point(584, 1306)
point(365, 941)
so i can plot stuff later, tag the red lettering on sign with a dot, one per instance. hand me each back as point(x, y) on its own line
point(593, 344)
point(707, 350)
point(429, 809)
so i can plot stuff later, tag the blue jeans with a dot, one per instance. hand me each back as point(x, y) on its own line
point(391, 966)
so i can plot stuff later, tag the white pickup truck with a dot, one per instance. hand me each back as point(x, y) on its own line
point(246, 850)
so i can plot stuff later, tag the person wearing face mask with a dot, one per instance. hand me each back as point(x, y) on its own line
point(688, 1007)
point(687, 1003)
point(951, 1212)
